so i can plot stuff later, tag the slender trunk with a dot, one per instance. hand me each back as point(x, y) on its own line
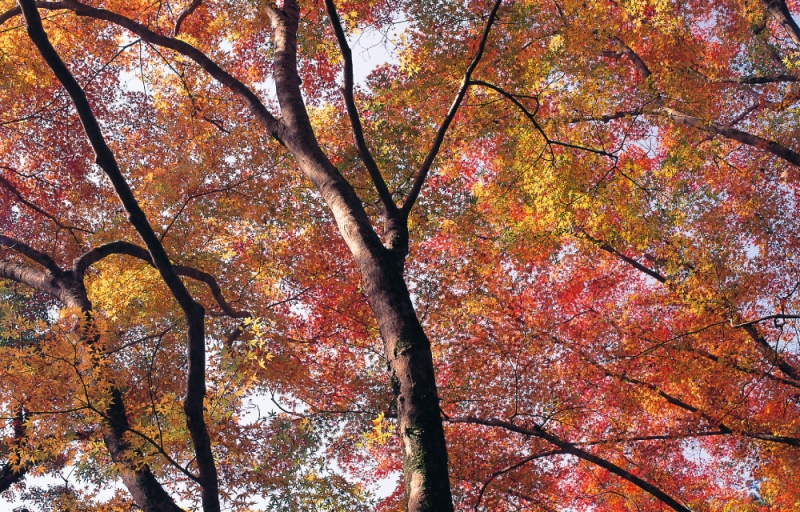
point(408, 350)
point(194, 313)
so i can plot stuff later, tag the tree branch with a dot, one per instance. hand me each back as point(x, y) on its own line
point(31, 253)
point(532, 118)
point(352, 113)
point(571, 449)
point(634, 58)
point(185, 14)
point(729, 132)
point(15, 11)
point(13, 473)
point(769, 353)
point(630, 261)
point(194, 313)
point(25, 275)
point(451, 114)
point(274, 127)
point(89, 258)
point(16, 193)
point(724, 429)
point(743, 137)
point(512, 467)
point(758, 80)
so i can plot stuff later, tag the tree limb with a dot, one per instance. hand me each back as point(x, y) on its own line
point(31, 253)
point(729, 132)
point(121, 247)
point(743, 137)
point(532, 118)
point(723, 429)
point(185, 14)
point(25, 275)
point(512, 467)
point(769, 353)
point(16, 193)
point(571, 449)
point(352, 113)
point(13, 473)
point(194, 313)
point(451, 114)
point(274, 127)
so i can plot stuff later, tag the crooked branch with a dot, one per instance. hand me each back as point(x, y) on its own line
point(31, 253)
point(82, 263)
point(532, 118)
point(185, 14)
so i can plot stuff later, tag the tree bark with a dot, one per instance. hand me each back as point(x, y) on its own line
point(407, 347)
point(141, 483)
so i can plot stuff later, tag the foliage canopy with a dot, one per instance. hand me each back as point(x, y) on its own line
point(548, 259)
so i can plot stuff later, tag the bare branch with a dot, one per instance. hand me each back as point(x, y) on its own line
point(532, 118)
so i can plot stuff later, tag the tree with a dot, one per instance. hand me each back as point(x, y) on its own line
point(587, 205)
